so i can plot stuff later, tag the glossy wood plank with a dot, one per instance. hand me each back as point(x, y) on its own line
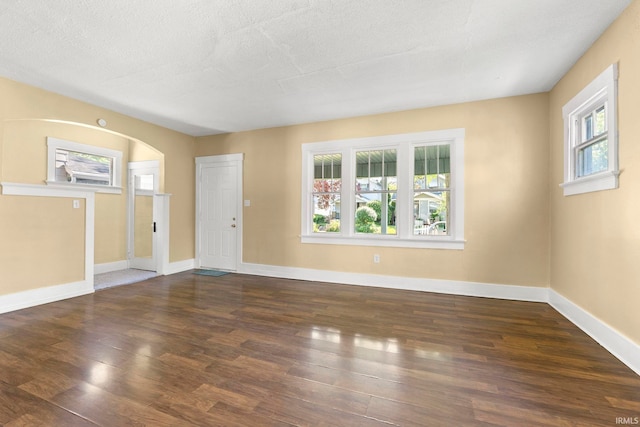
point(241, 350)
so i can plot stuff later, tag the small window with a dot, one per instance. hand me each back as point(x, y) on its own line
point(74, 164)
point(83, 168)
point(591, 160)
point(593, 149)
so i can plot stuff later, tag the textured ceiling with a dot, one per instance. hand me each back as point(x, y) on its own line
point(210, 66)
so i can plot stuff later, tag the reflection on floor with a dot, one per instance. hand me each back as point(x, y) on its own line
point(121, 277)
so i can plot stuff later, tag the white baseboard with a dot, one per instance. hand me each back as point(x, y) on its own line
point(110, 267)
point(617, 344)
point(487, 290)
point(174, 267)
point(180, 266)
point(33, 297)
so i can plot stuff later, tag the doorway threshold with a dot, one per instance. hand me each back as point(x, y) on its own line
point(121, 277)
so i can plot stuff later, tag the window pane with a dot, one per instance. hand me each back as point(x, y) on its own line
point(143, 182)
point(391, 183)
point(328, 167)
point(362, 164)
point(327, 183)
point(326, 213)
point(373, 216)
point(593, 159)
point(431, 213)
point(326, 186)
point(601, 122)
point(432, 167)
point(588, 128)
point(376, 163)
point(83, 168)
point(376, 186)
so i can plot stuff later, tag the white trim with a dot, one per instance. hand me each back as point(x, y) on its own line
point(404, 144)
point(33, 297)
point(453, 287)
point(238, 160)
point(145, 164)
point(161, 211)
point(621, 347)
point(148, 167)
point(386, 241)
point(597, 182)
point(109, 267)
point(627, 351)
point(66, 186)
point(602, 89)
point(237, 157)
point(54, 144)
point(18, 189)
point(180, 266)
point(613, 341)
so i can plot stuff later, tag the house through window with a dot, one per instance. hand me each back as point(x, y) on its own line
point(376, 191)
point(402, 190)
point(73, 164)
point(431, 183)
point(83, 168)
point(327, 184)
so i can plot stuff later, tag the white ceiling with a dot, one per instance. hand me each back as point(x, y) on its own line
point(211, 66)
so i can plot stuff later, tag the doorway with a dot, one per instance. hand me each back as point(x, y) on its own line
point(142, 236)
point(219, 211)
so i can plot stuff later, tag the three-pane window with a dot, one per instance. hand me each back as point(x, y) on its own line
point(399, 190)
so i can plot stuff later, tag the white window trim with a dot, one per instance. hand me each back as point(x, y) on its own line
point(404, 143)
point(54, 144)
point(603, 88)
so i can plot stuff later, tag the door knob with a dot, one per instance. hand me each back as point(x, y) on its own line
point(233, 226)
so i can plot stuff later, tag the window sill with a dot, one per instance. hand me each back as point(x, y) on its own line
point(84, 187)
point(602, 181)
point(422, 243)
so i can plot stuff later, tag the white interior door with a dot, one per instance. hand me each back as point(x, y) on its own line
point(143, 185)
point(219, 218)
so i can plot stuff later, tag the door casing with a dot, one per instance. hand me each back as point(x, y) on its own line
point(151, 167)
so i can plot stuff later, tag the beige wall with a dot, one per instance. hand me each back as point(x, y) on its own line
point(595, 250)
point(506, 203)
point(27, 116)
point(143, 235)
point(38, 237)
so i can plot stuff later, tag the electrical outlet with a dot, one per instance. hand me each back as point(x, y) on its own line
point(376, 258)
point(76, 204)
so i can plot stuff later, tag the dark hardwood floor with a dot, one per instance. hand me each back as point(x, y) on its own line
point(241, 350)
